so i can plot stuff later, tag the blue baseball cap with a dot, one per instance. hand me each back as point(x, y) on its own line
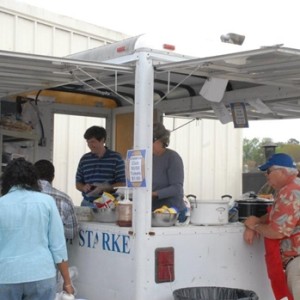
point(278, 159)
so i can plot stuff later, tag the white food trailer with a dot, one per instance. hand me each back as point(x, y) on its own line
point(142, 262)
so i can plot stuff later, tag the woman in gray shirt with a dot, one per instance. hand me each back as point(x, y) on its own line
point(168, 173)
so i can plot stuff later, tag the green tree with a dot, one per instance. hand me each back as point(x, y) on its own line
point(253, 154)
point(291, 149)
point(254, 151)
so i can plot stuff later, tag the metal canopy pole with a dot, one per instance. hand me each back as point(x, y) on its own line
point(143, 126)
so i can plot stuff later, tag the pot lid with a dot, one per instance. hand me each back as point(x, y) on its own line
point(211, 201)
point(253, 197)
point(255, 200)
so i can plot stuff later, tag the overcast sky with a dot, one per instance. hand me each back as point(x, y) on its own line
point(263, 22)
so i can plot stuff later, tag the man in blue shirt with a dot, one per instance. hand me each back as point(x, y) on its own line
point(99, 170)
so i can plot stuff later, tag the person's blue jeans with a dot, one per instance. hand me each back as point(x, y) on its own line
point(36, 290)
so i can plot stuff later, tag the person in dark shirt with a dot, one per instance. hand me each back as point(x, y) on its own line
point(168, 173)
point(99, 170)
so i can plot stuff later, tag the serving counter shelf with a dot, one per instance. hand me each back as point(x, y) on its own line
point(12, 136)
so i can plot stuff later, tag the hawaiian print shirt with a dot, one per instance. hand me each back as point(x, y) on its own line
point(285, 218)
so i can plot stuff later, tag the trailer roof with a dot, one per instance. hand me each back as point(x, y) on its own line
point(271, 74)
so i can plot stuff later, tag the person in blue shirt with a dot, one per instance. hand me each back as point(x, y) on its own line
point(31, 237)
point(99, 170)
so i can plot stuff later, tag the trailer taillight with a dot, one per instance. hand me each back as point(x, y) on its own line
point(164, 265)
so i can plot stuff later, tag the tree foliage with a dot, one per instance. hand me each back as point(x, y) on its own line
point(291, 149)
point(293, 141)
point(254, 151)
point(252, 154)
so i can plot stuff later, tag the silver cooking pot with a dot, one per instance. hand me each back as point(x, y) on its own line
point(209, 212)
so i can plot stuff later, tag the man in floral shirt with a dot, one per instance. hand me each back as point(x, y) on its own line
point(280, 227)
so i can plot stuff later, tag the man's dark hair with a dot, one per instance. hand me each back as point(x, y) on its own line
point(97, 132)
point(21, 173)
point(45, 170)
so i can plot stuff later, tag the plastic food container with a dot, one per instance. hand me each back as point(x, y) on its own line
point(124, 213)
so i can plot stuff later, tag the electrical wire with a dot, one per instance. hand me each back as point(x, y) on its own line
point(42, 139)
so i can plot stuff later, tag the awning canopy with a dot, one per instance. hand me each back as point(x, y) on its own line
point(271, 75)
point(28, 72)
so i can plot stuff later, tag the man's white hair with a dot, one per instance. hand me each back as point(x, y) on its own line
point(290, 171)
